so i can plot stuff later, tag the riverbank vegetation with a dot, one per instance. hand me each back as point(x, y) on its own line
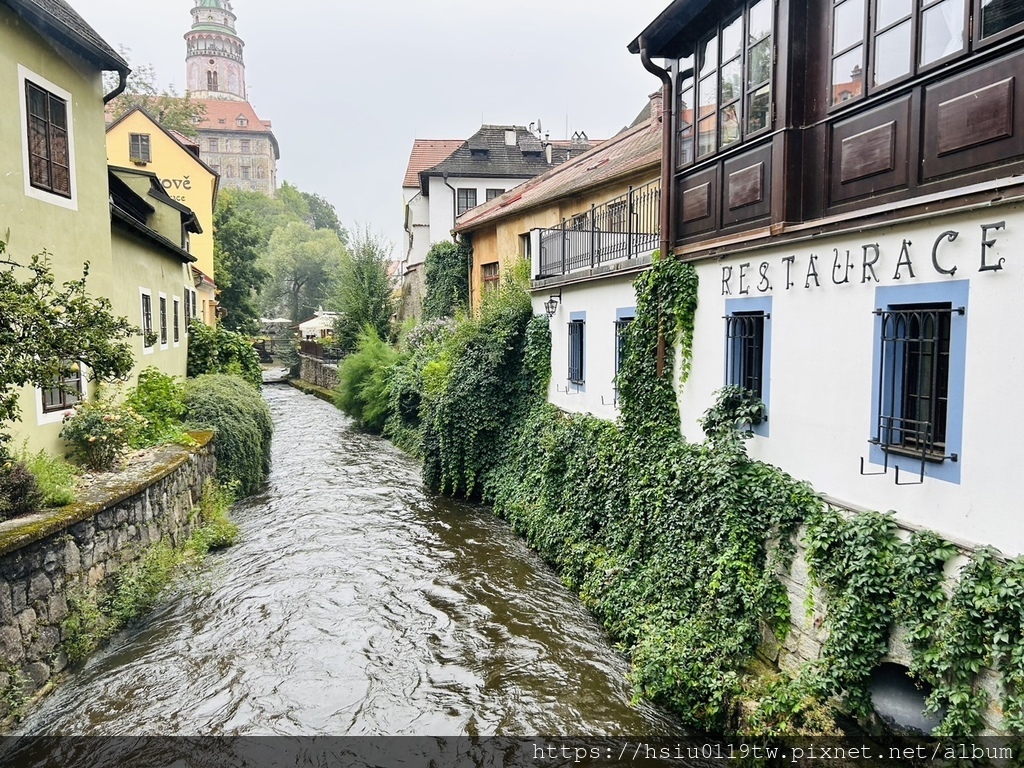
point(676, 545)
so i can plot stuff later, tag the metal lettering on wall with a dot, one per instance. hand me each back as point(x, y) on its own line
point(906, 261)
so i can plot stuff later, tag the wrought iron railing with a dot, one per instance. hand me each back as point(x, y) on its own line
point(623, 228)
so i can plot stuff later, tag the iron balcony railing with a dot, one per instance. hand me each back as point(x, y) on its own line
point(623, 228)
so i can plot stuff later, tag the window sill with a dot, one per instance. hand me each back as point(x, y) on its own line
point(910, 453)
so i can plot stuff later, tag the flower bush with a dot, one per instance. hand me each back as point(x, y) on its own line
point(100, 432)
point(160, 400)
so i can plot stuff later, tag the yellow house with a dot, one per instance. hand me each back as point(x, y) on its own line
point(136, 140)
point(152, 282)
point(53, 162)
point(594, 203)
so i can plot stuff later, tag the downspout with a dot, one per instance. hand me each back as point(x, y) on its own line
point(122, 75)
point(666, 177)
point(667, 202)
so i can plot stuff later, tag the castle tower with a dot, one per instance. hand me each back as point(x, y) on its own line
point(214, 53)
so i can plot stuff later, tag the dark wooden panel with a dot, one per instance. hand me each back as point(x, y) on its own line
point(696, 203)
point(746, 186)
point(867, 153)
point(747, 190)
point(976, 118)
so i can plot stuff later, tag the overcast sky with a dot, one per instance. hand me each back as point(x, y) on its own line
point(348, 85)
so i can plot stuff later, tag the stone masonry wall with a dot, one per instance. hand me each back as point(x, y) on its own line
point(808, 631)
point(318, 372)
point(47, 556)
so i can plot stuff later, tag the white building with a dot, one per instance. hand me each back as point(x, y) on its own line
point(319, 326)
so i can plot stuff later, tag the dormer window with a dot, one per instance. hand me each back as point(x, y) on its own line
point(241, 122)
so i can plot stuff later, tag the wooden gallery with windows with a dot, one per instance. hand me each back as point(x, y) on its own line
point(845, 176)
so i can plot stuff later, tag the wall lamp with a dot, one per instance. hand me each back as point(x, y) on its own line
point(551, 305)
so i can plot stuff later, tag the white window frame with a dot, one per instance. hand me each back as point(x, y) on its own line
point(26, 75)
point(176, 318)
point(162, 324)
point(55, 417)
point(142, 318)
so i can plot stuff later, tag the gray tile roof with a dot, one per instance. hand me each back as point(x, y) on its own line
point(486, 154)
point(57, 19)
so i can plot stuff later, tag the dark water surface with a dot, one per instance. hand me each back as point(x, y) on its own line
point(356, 605)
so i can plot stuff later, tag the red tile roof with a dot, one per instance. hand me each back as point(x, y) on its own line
point(628, 152)
point(426, 153)
point(223, 114)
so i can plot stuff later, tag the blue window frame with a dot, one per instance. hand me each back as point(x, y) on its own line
point(748, 349)
point(920, 343)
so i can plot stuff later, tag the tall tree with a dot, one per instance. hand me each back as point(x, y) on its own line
point(237, 245)
point(304, 265)
point(47, 330)
point(365, 290)
point(174, 112)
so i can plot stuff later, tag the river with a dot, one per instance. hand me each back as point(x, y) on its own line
point(356, 605)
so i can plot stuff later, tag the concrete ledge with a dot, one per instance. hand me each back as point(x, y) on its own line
point(306, 388)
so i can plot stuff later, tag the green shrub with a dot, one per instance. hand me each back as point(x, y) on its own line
point(216, 531)
point(160, 400)
point(364, 387)
point(240, 417)
point(217, 350)
point(101, 432)
point(19, 491)
point(56, 478)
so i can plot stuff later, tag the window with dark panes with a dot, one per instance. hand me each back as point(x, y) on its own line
point(138, 148)
point(177, 322)
point(214, 145)
point(48, 149)
point(725, 88)
point(243, 146)
point(745, 351)
point(493, 193)
point(148, 337)
point(621, 326)
point(1000, 15)
point(466, 200)
point(576, 351)
point(66, 391)
point(163, 319)
point(246, 172)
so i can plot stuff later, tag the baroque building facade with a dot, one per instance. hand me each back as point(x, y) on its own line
point(233, 140)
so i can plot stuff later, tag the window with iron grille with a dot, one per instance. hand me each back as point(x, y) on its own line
point(493, 193)
point(48, 147)
point(138, 148)
point(177, 322)
point(148, 337)
point(620, 342)
point(65, 392)
point(576, 328)
point(467, 200)
point(491, 276)
point(163, 320)
point(745, 350)
point(914, 378)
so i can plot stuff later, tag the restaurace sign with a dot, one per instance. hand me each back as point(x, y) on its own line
point(742, 279)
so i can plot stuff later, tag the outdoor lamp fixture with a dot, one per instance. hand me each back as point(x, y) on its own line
point(551, 305)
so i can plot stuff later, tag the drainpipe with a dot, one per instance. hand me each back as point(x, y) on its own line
point(122, 83)
point(667, 220)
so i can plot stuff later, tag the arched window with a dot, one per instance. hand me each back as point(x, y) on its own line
point(211, 80)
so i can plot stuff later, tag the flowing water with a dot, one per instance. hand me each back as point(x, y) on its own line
point(355, 604)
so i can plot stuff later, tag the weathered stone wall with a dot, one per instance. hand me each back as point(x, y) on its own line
point(47, 556)
point(318, 372)
point(808, 630)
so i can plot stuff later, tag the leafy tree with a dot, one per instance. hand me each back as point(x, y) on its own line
point(303, 264)
point(288, 205)
point(365, 290)
point(323, 216)
point(236, 248)
point(47, 331)
point(174, 112)
point(447, 273)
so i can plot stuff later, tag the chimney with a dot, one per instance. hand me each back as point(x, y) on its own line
point(657, 108)
point(547, 152)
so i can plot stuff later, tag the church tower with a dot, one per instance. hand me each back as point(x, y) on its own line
point(214, 53)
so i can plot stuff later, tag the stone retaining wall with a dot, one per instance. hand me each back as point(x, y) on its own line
point(47, 556)
point(808, 631)
point(318, 372)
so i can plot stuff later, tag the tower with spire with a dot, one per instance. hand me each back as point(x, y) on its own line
point(233, 140)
